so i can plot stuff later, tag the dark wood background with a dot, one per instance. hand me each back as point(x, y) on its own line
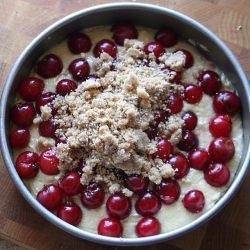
point(20, 22)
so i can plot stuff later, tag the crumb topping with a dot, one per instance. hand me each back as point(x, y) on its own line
point(103, 120)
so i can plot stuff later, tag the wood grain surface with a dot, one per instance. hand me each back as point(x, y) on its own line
point(20, 22)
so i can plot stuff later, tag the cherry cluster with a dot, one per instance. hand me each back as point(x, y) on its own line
point(212, 161)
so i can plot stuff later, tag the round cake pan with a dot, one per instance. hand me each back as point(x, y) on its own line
point(140, 14)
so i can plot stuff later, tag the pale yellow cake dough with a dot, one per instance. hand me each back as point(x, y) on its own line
point(172, 216)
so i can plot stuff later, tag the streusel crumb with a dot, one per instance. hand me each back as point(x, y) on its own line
point(103, 120)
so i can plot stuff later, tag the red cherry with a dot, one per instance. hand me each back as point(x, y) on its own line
point(49, 162)
point(148, 226)
point(194, 201)
point(49, 66)
point(154, 47)
point(107, 46)
point(221, 149)
point(19, 138)
point(27, 164)
point(220, 125)
point(148, 204)
point(166, 37)
point(122, 31)
point(190, 120)
point(65, 86)
point(168, 191)
point(151, 132)
point(217, 174)
point(136, 183)
point(210, 82)
point(78, 43)
point(160, 115)
point(164, 149)
point(92, 195)
point(31, 88)
point(170, 72)
point(47, 128)
point(44, 99)
point(70, 212)
point(199, 159)
point(180, 165)
point(189, 60)
point(110, 227)
point(79, 69)
point(70, 183)
point(118, 206)
point(23, 114)
point(226, 102)
point(50, 196)
point(174, 103)
point(188, 142)
point(192, 93)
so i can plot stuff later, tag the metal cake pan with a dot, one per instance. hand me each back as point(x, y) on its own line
point(140, 14)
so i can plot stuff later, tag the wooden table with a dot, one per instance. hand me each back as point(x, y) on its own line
point(21, 21)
